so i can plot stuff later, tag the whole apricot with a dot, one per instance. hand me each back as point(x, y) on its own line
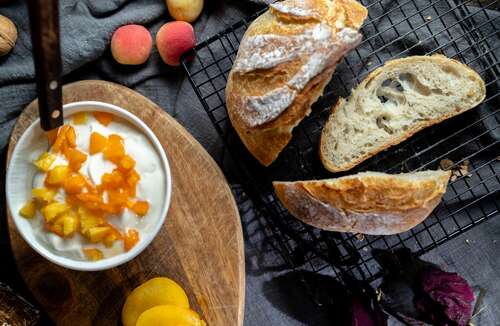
point(131, 45)
point(173, 39)
point(185, 10)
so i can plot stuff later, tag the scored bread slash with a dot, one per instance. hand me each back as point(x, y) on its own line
point(393, 103)
point(367, 203)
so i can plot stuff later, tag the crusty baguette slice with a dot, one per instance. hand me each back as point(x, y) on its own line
point(368, 202)
point(285, 59)
point(393, 103)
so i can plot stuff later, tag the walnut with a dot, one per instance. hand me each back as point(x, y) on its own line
point(8, 35)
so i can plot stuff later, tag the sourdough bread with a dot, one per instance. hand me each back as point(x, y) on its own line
point(368, 202)
point(393, 103)
point(285, 59)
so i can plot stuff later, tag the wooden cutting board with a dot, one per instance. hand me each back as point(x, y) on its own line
point(200, 245)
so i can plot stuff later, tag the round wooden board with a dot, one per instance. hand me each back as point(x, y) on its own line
point(200, 246)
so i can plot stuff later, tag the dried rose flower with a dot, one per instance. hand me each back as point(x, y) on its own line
point(444, 298)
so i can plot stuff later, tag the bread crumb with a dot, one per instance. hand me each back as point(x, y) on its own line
point(360, 236)
point(461, 170)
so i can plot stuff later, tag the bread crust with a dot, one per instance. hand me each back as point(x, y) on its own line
point(367, 203)
point(330, 123)
point(266, 139)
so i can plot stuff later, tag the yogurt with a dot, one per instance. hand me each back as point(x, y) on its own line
point(151, 187)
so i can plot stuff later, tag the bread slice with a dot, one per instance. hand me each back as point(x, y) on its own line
point(368, 202)
point(393, 103)
point(285, 59)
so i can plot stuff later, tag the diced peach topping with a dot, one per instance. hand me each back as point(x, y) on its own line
point(126, 163)
point(44, 161)
point(140, 207)
point(114, 150)
point(60, 139)
point(74, 184)
point(57, 175)
point(98, 143)
point(75, 158)
point(93, 254)
point(71, 137)
point(43, 194)
point(29, 209)
point(104, 118)
point(130, 239)
point(51, 136)
point(80, 118)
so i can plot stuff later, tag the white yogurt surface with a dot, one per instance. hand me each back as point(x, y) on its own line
point(151, 187)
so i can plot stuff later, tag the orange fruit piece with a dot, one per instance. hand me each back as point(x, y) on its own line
point(140, 207)
point(112, 180)
point(74, 184)
point(57, 175)
point(79, 118)
point(130, 239)
point(126, 163)
point(75, 158)
point(52, 135)
point(93, 254)
point(71, 136)
point(115, 150)
point(60, 139)
point(98, 143)
point(104, 118)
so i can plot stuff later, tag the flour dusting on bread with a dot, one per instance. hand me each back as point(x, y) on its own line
point(317, 43)
point(285, 60)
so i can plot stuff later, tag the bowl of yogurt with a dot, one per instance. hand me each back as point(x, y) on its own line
point(93, 194)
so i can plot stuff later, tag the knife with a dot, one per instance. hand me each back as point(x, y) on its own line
point(44, 23)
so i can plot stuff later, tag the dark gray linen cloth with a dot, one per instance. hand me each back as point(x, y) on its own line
point(274, 296)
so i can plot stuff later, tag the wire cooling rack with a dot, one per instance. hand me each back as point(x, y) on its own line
point(468, 144)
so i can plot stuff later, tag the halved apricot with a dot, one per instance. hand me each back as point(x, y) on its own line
point(169, 315)
point(157, 291)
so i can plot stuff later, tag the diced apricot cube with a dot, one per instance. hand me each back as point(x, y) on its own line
point(80, 118)
point(140, 207)
point(90, 201)
point(112, 180)
point(133, 178)
point(57, 175)
point(117, 197)
point(51, 211)
point(43, 194)
point(71, 136)
point(98, 143)
point(130, 239)
point(29, 209)
point(70, 224)
point(89, 220)
point(96, 234)
point(110, 239)
point(126, 163)
point(115, 150)
point(75, 158)
point(56, 228)
point(44, 161)
point(74, 184)
point(104, 118)
point(93, 254)
point(60, 139)
point(51, 136)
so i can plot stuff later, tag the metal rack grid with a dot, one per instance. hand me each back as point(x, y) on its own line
point(393, 29)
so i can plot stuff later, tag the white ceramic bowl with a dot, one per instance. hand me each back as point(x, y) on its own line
point(21, 171)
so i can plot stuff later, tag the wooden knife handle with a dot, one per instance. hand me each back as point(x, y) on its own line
point(44, 23)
